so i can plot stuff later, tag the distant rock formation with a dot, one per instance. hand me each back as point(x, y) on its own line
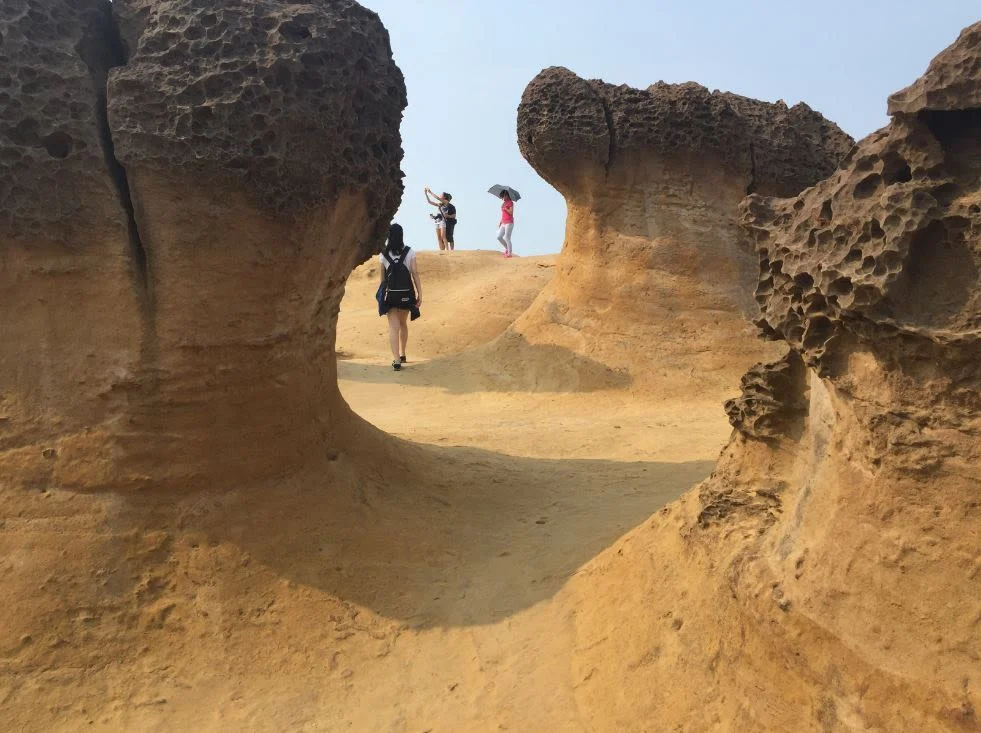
point(178, 248)
point(832, 558)
point(652, 252)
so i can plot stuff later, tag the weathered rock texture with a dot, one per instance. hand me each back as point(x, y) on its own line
point(953, 81)
point(69, 321)
point(827, 577)
point(178, 252)
point(652, 179)
point(771, 400)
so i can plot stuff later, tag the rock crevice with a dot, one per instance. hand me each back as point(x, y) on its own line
point(101, 53)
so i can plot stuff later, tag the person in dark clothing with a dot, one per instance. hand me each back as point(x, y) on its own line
point(448, 211)
point(398, 273)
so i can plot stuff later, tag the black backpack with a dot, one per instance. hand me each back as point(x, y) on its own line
point(399, 290)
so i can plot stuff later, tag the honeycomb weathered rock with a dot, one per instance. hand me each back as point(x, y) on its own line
point(772, 398)
point(296, 101)
point(834, 562)
point(953, 81)
point(566, 124)
point(653, 252)
point(56, 55)
point(888, 245)
point(172, 322)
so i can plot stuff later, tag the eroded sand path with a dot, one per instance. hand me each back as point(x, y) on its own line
point(425, 578)
point(525, 487)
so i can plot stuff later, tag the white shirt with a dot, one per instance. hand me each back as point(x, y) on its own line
point(410, 259)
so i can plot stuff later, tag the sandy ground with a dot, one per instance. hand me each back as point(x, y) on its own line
point(538, 481)
point(423, 579)
point(453, 393)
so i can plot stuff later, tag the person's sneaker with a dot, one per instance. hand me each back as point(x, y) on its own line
point(402, 359)
point(397, 366)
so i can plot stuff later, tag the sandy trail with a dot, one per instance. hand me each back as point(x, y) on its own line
point(418, 580)
point(514, 492)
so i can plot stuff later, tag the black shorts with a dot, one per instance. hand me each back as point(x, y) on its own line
point(450, 226)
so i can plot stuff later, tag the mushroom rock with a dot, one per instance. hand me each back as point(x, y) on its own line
point(653, 253)
point(255, 148)
point(827, 572)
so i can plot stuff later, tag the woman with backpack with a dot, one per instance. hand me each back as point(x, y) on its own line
point(399, 293)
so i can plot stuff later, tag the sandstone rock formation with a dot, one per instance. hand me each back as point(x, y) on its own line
point(652, 179)
point(826, 577)
point(178, 250)
point(69, 319)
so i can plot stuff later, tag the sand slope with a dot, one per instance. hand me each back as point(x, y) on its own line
point(471, 296)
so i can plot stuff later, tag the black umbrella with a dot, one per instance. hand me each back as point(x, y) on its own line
point(498, 189)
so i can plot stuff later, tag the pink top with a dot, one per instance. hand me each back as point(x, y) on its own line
point(507, 212)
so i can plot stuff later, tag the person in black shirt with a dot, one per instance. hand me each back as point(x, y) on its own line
point(448, 211)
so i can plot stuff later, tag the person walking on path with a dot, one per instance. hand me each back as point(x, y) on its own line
point(399, 293)
point(506, 225)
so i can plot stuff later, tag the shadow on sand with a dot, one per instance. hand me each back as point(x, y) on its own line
point(431, 536)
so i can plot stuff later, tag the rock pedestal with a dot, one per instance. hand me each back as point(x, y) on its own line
point(204, 214)
point(653, 179)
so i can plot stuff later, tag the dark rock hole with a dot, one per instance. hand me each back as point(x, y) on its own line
point(826, 212)
point(841, 286)
point(867, 186)
point(293, 31)
point(804, 281)
point(819, 331)
point(58, 144)
point(895, 170)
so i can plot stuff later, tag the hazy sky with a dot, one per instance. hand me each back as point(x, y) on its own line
point(466, 64)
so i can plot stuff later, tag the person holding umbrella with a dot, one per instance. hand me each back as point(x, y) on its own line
point(508, 197)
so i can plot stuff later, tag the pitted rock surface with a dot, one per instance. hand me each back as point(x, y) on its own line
point(55, 56)
point(261, 146)
point(653, 179)
point(889, 245)
point(851, 532)
point(952, 82)
point(296, 101)
point(565, 124)
point(771, 399)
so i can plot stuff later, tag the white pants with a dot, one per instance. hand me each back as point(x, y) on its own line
point(504, 235)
